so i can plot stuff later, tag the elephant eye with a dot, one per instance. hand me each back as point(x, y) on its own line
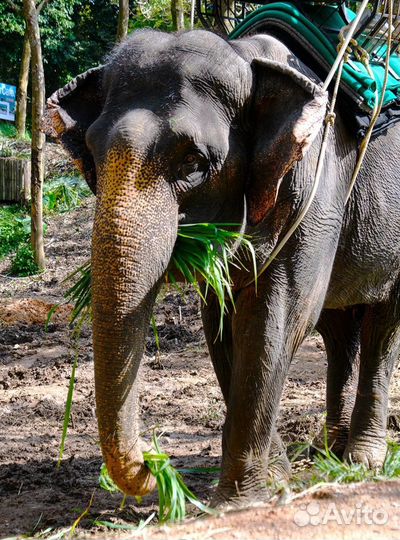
point(193, 167)
point(190, 159)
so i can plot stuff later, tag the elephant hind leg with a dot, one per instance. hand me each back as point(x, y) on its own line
point(341, 330)
point(380, 347)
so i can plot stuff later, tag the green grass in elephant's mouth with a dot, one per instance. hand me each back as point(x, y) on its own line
point(208, 250)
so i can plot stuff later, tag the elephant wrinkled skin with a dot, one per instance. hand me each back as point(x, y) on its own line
point(190, 128)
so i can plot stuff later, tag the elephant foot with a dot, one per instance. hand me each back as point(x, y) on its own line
point(335, 437)
point(227, 500)
point(371, 453)
point(250, 490)
point(279, 469)
point(257, 483)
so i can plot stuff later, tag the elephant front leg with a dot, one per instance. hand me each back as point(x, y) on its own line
point(380, 347)
point(340, 330)
point(219, 346)
point(221, 353)
point(263, 344)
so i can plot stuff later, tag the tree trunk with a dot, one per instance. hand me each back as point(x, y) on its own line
point(225, 16)
point(123, 20)
point(23, 86)
point(38, 138)
point(178, 14)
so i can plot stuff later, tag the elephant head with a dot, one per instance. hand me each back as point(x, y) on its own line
point(172, 127)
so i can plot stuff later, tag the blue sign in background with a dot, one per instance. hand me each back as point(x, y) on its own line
point(8, 97)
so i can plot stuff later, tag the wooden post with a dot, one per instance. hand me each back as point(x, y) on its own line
point(20, 119)
point(15, 180)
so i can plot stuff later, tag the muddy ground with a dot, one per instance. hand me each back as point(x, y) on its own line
point(180, 397)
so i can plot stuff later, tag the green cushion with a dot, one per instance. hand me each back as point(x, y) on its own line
point(359, 81)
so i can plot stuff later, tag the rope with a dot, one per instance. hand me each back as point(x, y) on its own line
point(342, 57)
point(329, 122)
point(377, 109)
point(345, 44)
point(362, 55)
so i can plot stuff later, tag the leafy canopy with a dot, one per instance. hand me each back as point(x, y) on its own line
point(76, 34)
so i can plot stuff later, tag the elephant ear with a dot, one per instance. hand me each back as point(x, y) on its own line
point(288, 111)
point(68, 114)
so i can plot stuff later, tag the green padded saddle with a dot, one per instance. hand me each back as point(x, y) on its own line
point(356, 82)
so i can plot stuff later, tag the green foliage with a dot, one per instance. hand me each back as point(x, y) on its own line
point(172, 490)
point(329, 468)
point(11, 39)
point(209, 250)
point(80, 294)
point(173, 493)
point(157, 14)
point(23, 263)
point(9, 139)
point(391, 467)
point(76, 35)
point(326, 467)
point(15, 228)
point(155, 331)
point(60, 195)
point(152, 14)
point(7, 130)
point(203, 249)
point(11, 145)
point(124, 527)
point(64, 194)
point(106, 482)
point(5, 151)
point(68, 406)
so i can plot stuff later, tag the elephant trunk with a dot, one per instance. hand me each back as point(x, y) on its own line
point(134, 233)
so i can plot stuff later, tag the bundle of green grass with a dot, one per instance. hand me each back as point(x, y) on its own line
point(173, 493)
point(203, 249)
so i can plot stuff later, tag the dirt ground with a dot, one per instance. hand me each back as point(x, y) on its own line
point(180, 397)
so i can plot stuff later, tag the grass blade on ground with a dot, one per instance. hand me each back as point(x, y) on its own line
point(125, 527)
point(67, 412)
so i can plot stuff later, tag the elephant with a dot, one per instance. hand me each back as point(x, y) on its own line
point(191, 128)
